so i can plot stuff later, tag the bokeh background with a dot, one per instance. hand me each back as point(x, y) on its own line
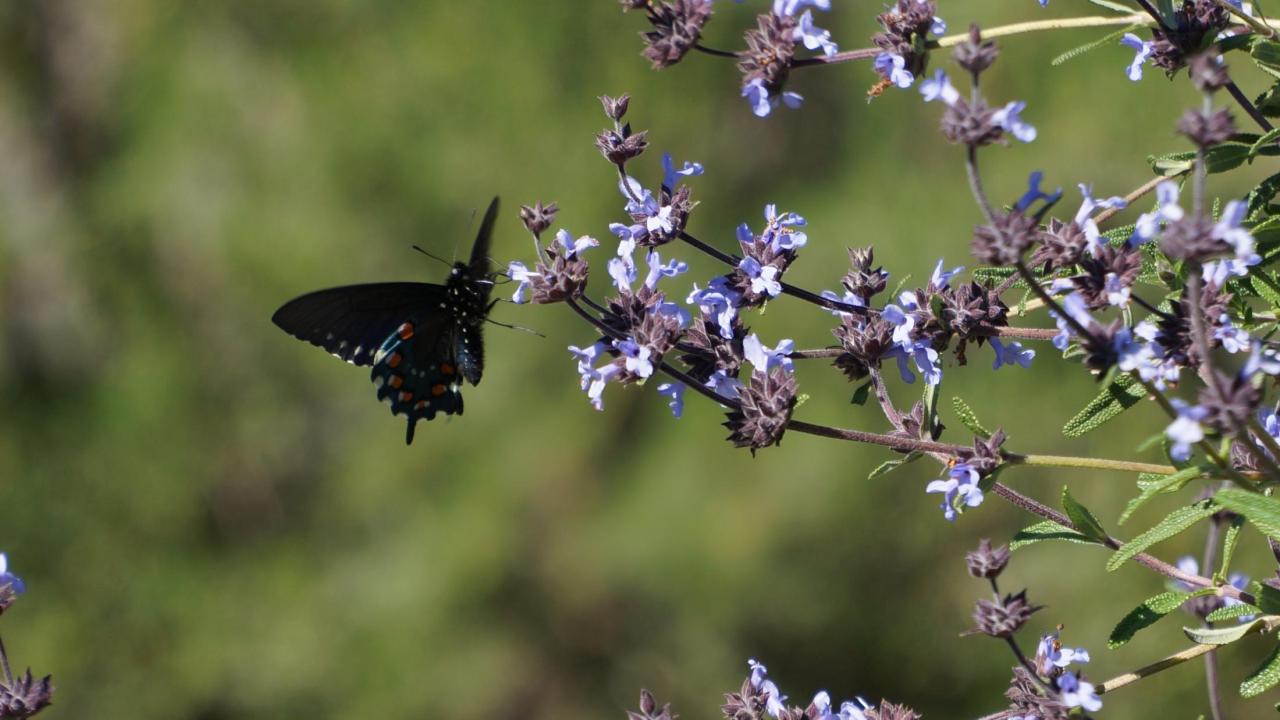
point(217, 521)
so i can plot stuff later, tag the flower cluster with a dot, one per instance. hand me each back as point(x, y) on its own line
point(24, 695)
point(771, 48)
point(904, 54)
point(759, 697)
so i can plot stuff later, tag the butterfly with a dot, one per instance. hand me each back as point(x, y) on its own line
point(421, 339)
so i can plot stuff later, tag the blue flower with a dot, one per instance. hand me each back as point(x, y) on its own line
point(1262, 359)
point(674, 392)
point(1011, 354)
point(1144, 49)
point(779, 230)
point(635, 357)
point(939, 87)
point(1229, 231)
point(1009, 118)
point(1078, 693)
point(902, 317)
point(1117, 292)
point(941, 278)
point(773, 698)
point(670, 173)
point(517, 271)
point(1186, 430)
point(765, 358)
point(9, 579)
point(762, 104)
point(764, 279)
point(849, 298)
point(1233, 339)
point(657, 270)
point(1084, 216)
point(814, 37)
point(573, 247)
point(1050, 654)
point(717, 300)
point(623, 272)
point(1218, 272)
point(1167, 211)
point(923, 356)
point(1034, 193)
point(959, 490)
point(893, 67)
point(791, 7)
point(1075, 308)
point(724, 385)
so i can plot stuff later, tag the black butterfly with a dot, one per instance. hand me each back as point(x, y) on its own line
point(421, 339)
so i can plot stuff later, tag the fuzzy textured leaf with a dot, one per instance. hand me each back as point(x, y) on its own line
point(1048, 530)
point(1147, 614)
point(1262, 511)
point(1227, 635)
point(1174, 523)
point(968, 418)
point(1153, 485)
point(1119, 395)
point(1080, 516)
point(1231, 612)
point(889, 466)
point(1109, 39)
point(1264, 678)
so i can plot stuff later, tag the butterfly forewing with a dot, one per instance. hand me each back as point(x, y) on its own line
point(351, 322)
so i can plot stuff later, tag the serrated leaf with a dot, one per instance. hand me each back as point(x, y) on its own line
point(1262, 511)
point(889, 466)
point(1264, 678)
point(1232, 612)
point(968, 418)
point(1174, 523)
point(1258, 280)
point(1219, 158)
point(1047, 530)
point(1268, 103)
point(1147, 614)
point(1119, 395)
point(1153, 485)
point(1229, 540)
point(1084, 520)
point(1109, 39)
point(1227, 635)
point(1266, 52)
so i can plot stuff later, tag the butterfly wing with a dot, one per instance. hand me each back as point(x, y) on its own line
point(351, 322)
point(481, 266)
point(416, 370)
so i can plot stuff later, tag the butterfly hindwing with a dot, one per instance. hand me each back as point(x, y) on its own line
point(352, 321)
point(417, 372)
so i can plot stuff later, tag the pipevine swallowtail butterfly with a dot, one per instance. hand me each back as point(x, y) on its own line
point(421, 339)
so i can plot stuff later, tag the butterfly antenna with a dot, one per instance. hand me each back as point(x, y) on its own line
point(433, 257)
point(516, 327)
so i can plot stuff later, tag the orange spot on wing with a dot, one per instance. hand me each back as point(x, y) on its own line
point(446, 368)
point(393, 360)
point(406, 397)
point(405, 331)
point(395, 382)
point(437, 390)
point(422, 405)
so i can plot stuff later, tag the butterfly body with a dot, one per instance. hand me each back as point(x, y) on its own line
point(421, 340)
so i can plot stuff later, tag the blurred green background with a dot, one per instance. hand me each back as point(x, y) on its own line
point(217, 521)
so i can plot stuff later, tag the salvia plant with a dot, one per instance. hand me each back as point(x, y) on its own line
point(1178, 308)
point(21, 696)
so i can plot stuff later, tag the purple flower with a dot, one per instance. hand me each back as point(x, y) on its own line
point(517, 271)
point(1034, 193)
point(1144, 49)
point(893, 67)
point(765, 358)
point(959, 490)
point(925, 358)
point(849, 298)
point(760, 681)
point(718, 300)
point(1078, 693)
point(1240, 581)
point(1167, 211)
point(757, 96)
point(1074, 306)
point(657, 270)
point(1218, 272)
point(1011, 354)
point(1262, 359)
point(595, 384)
point(670, 173)
point(1009, 118)
point(902, 317)
point(573, 247)
point(814, 37)
point(784, 8)
point(635, 357)
point(674, 392)
point(1117, 291)
point(941, 278)
point(7, 578)
point(1229, 231)
point(764, 279)
point(1233, 339)
point(1186, 430)
point(1084, 216)
point(724, 385)
point(1050, 653)
point(623, 272)
point(939, 87)
point(779, 230)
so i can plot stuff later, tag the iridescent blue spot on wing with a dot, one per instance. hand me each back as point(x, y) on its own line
point(415, 370)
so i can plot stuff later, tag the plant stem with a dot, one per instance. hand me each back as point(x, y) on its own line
point(1211, 679)
point(1248, 106)
point(1066, 461)
point(4, 664)
point(1177, 658)
point(975, 184)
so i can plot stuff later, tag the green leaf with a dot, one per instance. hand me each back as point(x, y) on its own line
point(889, 466)
point(1153, 485)
point(861, 394)
point(1048, 530)
point(1262, 511)
point(1261, 194)
point(1265, 287)
point(968, 418)
point(930, 398)
point(1227, 635)
point(1264, 678)
point(1231, 612)
point(1146, 615)
point(1266, 52)
point(1174, 523)
point(1229, 540)
point(1119, 395)
point(1268, 598)
point(1109, 39)
point(1268, 103)
point(1080, 516)
point(1267, 138)
point(1219, 158)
